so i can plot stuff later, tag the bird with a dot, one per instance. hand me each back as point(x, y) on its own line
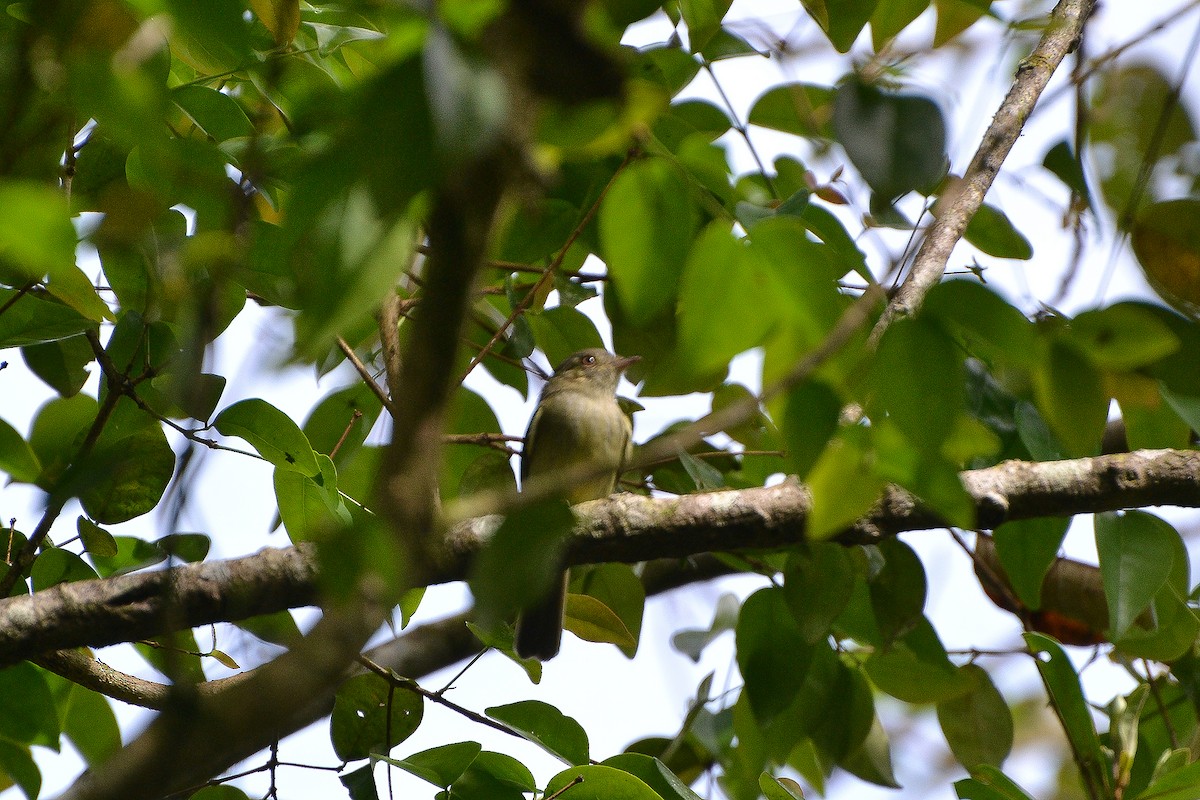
point(577, 422)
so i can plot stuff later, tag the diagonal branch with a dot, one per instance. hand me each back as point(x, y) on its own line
point(953, 214)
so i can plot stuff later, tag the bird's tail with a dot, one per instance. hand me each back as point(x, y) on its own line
point(539, 630)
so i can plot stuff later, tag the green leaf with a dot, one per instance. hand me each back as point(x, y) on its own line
point(726, 301)
point(17, 764)
point(544, 725)
point(1027, 549)
point(897, 590)
point(440, 766)
point(29, 319)
point(1062, 683)
point(817, 586)
point(16, 456)
point(360, 783)
point(917, 382)
point(978, 724)
point(280, 17)
point(802, 109)
point(1122, 337)
point(872, 759)
point(592, 621)
point(90, 724)
point(36, 235)
point(520, 562)
point(494, 776)
point(1179, 784)
point(620, 590)
point(55, 565)
point(278, 628)
point(1136, 553)
point(132, 554)
point(990, 326)
point(1065, 165)
point(892, 16)
point(1166, 241)
point(896, 142)
point(215, 113)
point(989, 783)
point(843, 486)
point(992, 232)
point(841, 21)
point(1126, 119)
point(599, 782)
point(810, 419)
point(272, 433)
point(221, 792)
point(772, 653)
point(27, 712)
point(125, 477)
point(703, 18)
point(705, 477)
point(653, 773)
point(370, 716)
point(561, 331)
point(916, 669)
point(215, 37)
point(308, 506)
point(646, 224)
point(1071, 396)
point(779, 788)
point(60, 364)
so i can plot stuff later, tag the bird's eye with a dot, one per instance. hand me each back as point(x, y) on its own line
point(589, 360)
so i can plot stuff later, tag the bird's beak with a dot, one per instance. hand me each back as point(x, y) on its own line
point(625, 362)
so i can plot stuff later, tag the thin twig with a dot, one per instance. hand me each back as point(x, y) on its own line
point(366, 375)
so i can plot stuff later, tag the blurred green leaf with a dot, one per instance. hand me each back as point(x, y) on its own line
point(27, 712)
point(1124, 117)
point(772, 653)
point(896, 142)
point(646, 224)
point(30, 319)
point(1122, 336)
point(521, 560)
point(841, 21)
point(16, 456)
point(1071, 397)
point(978, 724)
point(60, 363)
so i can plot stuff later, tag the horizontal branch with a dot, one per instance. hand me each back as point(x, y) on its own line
point(626, 527)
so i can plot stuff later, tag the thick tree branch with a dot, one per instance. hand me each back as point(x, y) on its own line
point(622, 528)
point(955, 210)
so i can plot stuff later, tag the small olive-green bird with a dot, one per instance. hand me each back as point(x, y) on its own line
point(577, 421)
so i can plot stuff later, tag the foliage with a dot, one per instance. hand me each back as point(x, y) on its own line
point(162, 164)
